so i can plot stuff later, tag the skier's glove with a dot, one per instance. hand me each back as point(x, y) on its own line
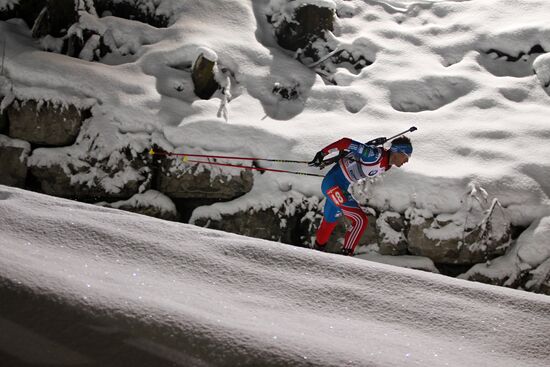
point(317, 160)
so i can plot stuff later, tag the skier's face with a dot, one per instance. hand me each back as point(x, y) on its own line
point(398, 159)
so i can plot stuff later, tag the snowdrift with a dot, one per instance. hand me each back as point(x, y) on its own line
point(87, 285)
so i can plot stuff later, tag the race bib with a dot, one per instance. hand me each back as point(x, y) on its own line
point(336, 195)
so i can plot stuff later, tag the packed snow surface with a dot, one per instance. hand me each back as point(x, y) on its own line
point(83, 284)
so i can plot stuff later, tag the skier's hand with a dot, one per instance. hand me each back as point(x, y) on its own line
point(317, 160)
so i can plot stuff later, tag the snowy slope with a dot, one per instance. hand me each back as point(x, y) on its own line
point(84, 285)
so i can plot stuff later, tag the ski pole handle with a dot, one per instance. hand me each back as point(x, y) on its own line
point(409, 130)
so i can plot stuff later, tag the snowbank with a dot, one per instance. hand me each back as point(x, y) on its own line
point(102, 286)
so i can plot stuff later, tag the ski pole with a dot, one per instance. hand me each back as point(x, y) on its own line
point(172, 154)
point(185, 160)
point(253, 168)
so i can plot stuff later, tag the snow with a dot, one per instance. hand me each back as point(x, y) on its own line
point(174, 293)
point(541, 66)
point(405, 261)
point(535, 242)
point(6, 141)
point(482, 123)
point(151, 198)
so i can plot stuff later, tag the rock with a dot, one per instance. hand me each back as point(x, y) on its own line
point(73, 44)
point(88, 45)
point(289, 93)
point(264, 224)
point(88, 39)
point(55, 18)
point(309, 22)
point(145, 11)
point(477, 232)
point(28, 10)
point(455, 242)
point(13, 164)
point(8, 10)
point(194, 181)
point(44, 123)
point(118, 176)
point(290, 222)
point(151, 203)
point(305, 28)
point(545, 287)
point(391, 234)
point(4, 125)
point(203, 76)
point(509, 280)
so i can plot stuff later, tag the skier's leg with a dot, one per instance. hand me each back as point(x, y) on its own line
point(359, 221)
point(328, 223)
point(331, 210)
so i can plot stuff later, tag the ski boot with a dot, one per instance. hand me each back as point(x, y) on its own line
point(347, 252)
point(319, 247)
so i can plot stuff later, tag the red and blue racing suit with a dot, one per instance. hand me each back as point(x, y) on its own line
point(361, 161)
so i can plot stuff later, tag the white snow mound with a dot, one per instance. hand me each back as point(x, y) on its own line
point(101, 286)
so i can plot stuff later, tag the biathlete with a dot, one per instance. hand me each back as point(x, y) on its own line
point(355, 161)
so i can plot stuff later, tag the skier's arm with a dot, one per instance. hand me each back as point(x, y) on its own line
point(361, 152)
point(344, 144)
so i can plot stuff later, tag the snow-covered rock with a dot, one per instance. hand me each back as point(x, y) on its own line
point(291, 222)
point(56, 18)
point(13, 164)
point(299, 23)
point(151, 203)
point(392, 238)
point(478, 232)
point(526, 264)
point(44, 123)
point(28, 10)
point(120, 175)
point(3, 118)
point(181, 180)
point(154, 13)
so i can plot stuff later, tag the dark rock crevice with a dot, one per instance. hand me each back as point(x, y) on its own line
point(28, 10)
point(138, 10)
point(535, 50)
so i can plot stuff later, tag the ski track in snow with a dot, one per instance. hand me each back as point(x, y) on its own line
point(85, 284)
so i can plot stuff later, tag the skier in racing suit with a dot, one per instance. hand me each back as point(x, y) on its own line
point(356, 161)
